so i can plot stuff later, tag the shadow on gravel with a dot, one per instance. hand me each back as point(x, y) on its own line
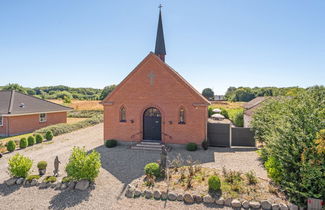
point(69, 199)
point(7, 190)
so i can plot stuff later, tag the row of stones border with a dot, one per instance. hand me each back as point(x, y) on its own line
point(132, 192)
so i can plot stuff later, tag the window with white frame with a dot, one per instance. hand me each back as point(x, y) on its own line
point(1, 121)
point(42, 117)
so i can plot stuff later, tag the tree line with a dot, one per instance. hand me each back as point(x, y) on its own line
point(62, 92)
point(246, 93)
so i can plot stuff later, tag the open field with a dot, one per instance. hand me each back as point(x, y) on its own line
point(227, 104)
point(81, 105)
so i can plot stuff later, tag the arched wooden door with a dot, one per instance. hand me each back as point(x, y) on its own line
point(152, 124)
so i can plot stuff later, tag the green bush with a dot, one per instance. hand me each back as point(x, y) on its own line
point(39, 138)
point(210, 112)
point(11, 146)
point(191, 147)
point(82, 165)
point(63, 128)
point(85, 113)
point(214, 183)
point(67, 179)
point(32, 177)
point(49, 135)
point(23, 143)
point(50, 179)
point(42, 165)
point(224, 112)
point(19, 165)
point(238, 118)
point(288, 127)
point(31, 140)
point(111, 143)
point(273, 169)
point(152, 169)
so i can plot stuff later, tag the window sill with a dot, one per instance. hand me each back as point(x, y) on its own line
point(122, 121)
point(182, 123)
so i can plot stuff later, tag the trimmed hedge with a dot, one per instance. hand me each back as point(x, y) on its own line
point(23, 143)
point(11, 146)
point(63, 128)
point(31, 140)
point(42, 165)
point(39, 138)
point(152, 169)
point(85, 113)
point(48, 135)
point(191, 147)
point(111, 143)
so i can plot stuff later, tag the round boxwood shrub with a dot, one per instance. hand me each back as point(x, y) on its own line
point(23, 143)
point(110, 143)
point(31, 140)
point(19, 165)
point(49, 135)
point(39, 138)
point(11, 146)
point(152, 169)
point(42, 165)
point(214, 183)
point(191, 147)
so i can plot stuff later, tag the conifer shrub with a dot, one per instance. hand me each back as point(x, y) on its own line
point(191, 147)
point(152, 169)
point(82, 165)
point(23, 143)
point(49, 135)
point(19, 165)
point(42, 165)
point(31, 140)
point(214, 183)
point(111, 143)
point(11, 146)
point(39, 138)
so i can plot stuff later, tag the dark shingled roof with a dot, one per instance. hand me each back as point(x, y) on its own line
point(160, 41)
point(254, 102)
point(16, 103)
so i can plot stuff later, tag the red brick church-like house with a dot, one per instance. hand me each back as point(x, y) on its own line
point(155, 103)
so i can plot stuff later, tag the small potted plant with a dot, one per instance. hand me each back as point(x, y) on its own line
point(42, 167)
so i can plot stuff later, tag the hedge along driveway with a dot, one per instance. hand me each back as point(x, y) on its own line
point(89, 138)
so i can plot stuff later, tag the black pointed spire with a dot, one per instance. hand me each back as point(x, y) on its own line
point(160, 49)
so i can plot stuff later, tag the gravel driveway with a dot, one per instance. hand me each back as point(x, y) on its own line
point(120, 166)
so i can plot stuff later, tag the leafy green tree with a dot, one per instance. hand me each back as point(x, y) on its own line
point(107, 90)
point(208, 93)
point(15, 87)
point(288, 127)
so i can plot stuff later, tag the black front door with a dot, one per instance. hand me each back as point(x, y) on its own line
point(152, 124)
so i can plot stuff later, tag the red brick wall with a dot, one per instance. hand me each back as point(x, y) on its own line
point(3, 128)
point(29, 123)
point(167, 94)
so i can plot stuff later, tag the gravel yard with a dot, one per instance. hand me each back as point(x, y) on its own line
point(120, 166)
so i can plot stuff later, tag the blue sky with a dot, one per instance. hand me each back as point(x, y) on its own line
point(211, 43)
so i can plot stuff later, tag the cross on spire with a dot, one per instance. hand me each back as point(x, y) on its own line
point(160, 49)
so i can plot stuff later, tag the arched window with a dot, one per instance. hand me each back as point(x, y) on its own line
point(181, 116)
point(122, 114)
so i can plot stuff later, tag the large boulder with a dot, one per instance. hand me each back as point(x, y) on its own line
point(254, 204)
point(245, 204)
point(266, 205)
point(11, 181)
point(129, 192)
point(71, 185)
point(137, 193)
point(188, 199)
point(283, 206)
point(20, 181)
point(220, 201)
point(228, 202)
point(235, 203)
point(164, 195)
point(64, 186)
point(156, 195)
point(148, 194)
point(172, 196)
point(34, 182)
point(275, 206)
point(44, 185)
point(198, 198)
point(208, 199)
point(180, 197)
point(82, 185)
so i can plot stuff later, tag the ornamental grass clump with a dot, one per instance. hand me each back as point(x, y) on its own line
point(82, 165)
point(11, 146)
point(23, 143)
point(19, 165)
